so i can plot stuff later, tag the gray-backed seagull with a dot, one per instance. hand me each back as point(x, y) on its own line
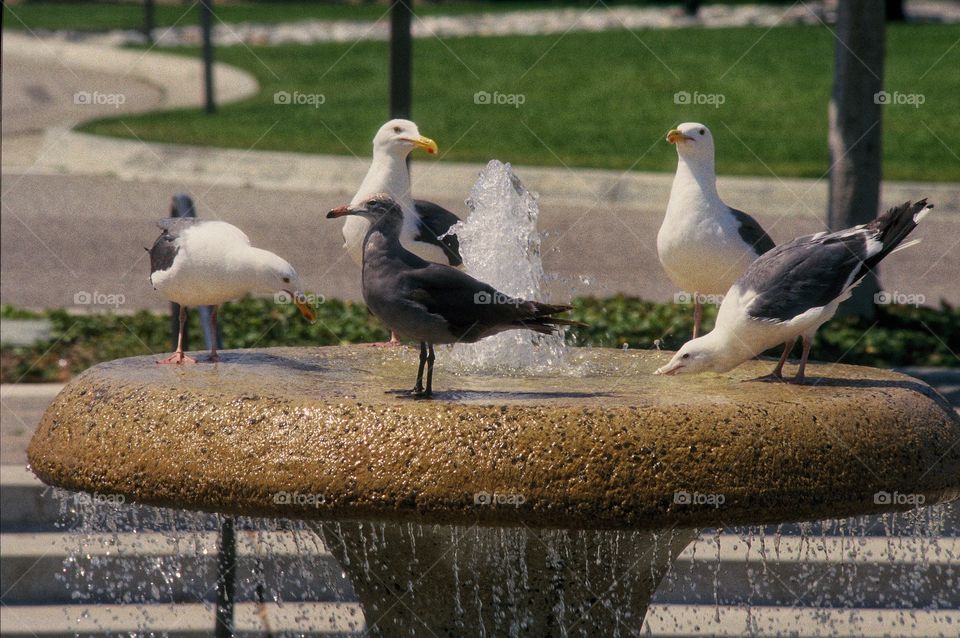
point(703, 244)
point(426, 225)
point(434, 303)
point(791, 291)
point(206, 263)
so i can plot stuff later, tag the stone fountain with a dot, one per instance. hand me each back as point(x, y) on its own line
point(543, 503)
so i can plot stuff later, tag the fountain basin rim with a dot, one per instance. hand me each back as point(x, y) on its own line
point(174, 439)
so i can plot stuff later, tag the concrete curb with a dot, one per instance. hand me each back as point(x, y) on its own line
point(74, 153)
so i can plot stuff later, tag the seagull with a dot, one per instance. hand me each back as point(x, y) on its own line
point(703, 244)
point(791, 291)
point(206, 263)
point(426, 226)
point(434, 303)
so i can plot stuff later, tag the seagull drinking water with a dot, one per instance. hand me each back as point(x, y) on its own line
point(703, 244)
point(425, 225)
point(434, 303)
point(206, 263)
point(791, 291)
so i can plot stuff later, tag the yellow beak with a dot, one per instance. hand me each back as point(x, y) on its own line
point(674, 135)
point(426, 144)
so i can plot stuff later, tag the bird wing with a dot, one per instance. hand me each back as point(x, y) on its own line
point(471, 308)
point(433, 224)
point(752, 232)
point(812, 271)
point(809, 272)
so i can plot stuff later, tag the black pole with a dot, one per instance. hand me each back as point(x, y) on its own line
point(226, 578)
point(206, 25)
point(148, 20)
point(401, 58)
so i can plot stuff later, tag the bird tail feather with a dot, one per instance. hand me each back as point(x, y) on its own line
point(893, 226)
point(540, 318)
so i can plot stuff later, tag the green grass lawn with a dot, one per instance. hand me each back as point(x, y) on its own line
point(593, 100)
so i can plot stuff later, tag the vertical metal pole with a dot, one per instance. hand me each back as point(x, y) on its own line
point(401, 59)
point(226, 578)
point(206, 25)
point(148, 20)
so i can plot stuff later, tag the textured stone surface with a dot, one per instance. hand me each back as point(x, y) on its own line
point(604, 444)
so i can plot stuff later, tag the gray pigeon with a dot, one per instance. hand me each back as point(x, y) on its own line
point(434, 303)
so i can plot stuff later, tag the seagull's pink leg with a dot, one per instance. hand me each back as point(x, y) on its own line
point(799, 379)
point(777, 374)
point(393, 343)
point(697, 314)
point(178, 357)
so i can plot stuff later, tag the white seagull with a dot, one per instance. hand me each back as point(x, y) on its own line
point(703, 244)
point(425, 225)
point(791, 291)
point(206, 263)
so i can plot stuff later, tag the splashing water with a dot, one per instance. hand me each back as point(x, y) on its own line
point(500, 245)
point(893, 571)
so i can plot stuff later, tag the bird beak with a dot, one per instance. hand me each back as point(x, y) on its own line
point(674, 136)
point(300, 301)
point(341, 211)
point(425, 143)
point(669, 370)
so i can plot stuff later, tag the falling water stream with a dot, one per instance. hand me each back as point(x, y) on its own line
point(868, 569)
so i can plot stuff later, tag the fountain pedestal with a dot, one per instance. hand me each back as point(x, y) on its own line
point(559, 472)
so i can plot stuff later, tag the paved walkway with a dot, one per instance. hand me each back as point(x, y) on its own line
point(78, 209)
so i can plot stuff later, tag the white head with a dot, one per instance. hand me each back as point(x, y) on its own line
point(702, 354)
point(399, 137)
point(275, 274)
point(693, 141)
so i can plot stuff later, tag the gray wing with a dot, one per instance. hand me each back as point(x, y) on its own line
point(752, 233)
point(433, 223)
point(808, 272)
point(165, 248)
point(471, 308)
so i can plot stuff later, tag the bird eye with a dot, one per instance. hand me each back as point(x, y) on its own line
point(686, 356)
point(397, 129)
point(702, 132)
point(286, 280)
